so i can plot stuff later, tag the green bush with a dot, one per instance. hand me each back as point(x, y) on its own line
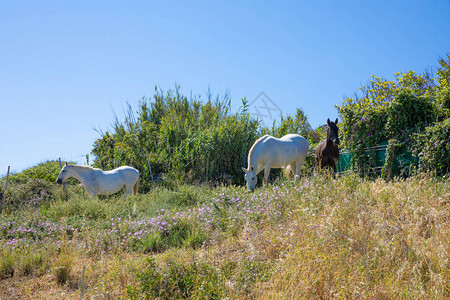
point(395, 112)
point(443, 94)
point(183, 233)
point(188, 141)
point(34, 186)
point(296, 124)
point(184, 140)
point(408, 114)
point(178, 280)
point(433, 148)
point(33, 192)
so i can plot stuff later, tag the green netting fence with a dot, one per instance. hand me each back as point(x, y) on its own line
point(403, 160)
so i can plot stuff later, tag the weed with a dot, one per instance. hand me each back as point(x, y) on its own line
point(34, 262)
point(178, 280)
point(65, 260)
point(7, 263)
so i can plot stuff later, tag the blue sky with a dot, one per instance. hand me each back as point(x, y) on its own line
point(66, 65)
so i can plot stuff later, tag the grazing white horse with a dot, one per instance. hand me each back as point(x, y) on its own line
point(268, 152)
point(98, 182)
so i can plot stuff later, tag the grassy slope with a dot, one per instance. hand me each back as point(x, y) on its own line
point(322, 238)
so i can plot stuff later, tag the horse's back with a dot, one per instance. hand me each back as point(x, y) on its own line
point(127, 169)
point(125, 172)
point(319, 149)
point(300, 142)
point(292, 137)
point(130, 170)
point(289, 146)
point(123, 169)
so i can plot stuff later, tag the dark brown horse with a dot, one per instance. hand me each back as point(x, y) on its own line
point(327, 153)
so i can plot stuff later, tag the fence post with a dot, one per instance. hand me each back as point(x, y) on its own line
point(6, 186)
point(60, 164)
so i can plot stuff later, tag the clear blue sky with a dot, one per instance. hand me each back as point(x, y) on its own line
point(66, 65)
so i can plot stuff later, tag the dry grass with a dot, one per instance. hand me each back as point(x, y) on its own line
point(380, 240)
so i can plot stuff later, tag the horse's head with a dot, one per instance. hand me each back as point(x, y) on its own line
point(333, 132)
point(64, 174)
point(250, 177)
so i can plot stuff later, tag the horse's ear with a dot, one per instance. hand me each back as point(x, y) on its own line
point(335, 122)
point(244, 169)
point(328, 121)
point(66, 163)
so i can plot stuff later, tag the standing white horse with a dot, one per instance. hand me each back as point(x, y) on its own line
point(99, 182)
point(268, 152)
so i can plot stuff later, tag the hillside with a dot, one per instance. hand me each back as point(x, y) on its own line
point(323, 238)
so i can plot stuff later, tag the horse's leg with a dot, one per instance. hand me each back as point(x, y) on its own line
point(93, 188)
point(91, 192)
point(333, 166)
point(135, 188)
point(128, 189)
point(297, 170)
point(290, 168)
point(294, 170)
point(266, 173)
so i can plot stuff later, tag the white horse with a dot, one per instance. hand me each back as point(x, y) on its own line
point(98, 182)
point(268, 152)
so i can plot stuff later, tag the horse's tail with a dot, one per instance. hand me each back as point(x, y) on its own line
point(288, 172)
point(135, 188)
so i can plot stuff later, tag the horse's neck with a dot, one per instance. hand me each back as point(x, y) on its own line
point(81, 174)
point(254, 158)
point(328, 142)
point(251, 161)
point(329, 145)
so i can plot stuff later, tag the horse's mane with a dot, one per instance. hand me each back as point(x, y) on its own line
point(84, 167)
point(255, 144)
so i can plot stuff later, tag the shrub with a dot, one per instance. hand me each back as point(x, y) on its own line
point(182, 233)
point(150, 243)
point(433, 148)
point(408, 114)
point(34, 186)
point(393, 112)
point(186, 140)
point(443, 95)
point(33, 192)
point(183, 139)
point(178, 280)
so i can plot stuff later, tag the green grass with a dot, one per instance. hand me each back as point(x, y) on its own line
point(7, 262)
point(322, 238)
